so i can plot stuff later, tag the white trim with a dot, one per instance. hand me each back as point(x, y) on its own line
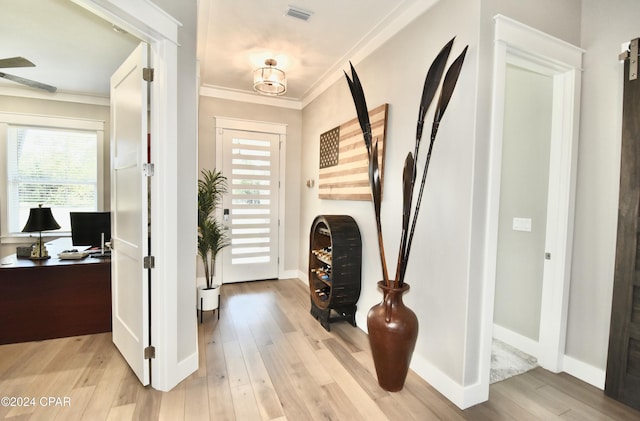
point(282, 176)
point(57, 96)
point(515, 42)
point(303, 276)
point(288, 274)
point(160, 30)
point(535, 43)
point(462, 396)
point(246, 96)
point(38, 120)
point(156, 25)
point(587, 373)
point(248, 125)
point(516, 340)
point(560, 218)
point(388, 27)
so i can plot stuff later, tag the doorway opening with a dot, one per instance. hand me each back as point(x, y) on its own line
point(541, 232)
point(522, 223)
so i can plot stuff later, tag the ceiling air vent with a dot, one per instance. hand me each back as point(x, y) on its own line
point(298, 13)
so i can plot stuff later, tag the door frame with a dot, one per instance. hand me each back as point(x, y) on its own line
point(530, 48)
point(279, 129)
point(160, 31)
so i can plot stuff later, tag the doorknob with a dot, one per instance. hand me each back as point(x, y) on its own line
point(547, 256)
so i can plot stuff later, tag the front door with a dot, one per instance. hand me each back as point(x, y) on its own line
point(129, 204)
point(250, 208)
point(623, 363)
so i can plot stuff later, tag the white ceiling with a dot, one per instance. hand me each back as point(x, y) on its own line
point(77, 51)
point(72, 49)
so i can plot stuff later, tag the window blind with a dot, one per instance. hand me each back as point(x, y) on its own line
point(54, 167)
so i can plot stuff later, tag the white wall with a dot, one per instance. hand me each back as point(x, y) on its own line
point(445, 271)
point(605, 25)
point(438, 268)
point(187, 96)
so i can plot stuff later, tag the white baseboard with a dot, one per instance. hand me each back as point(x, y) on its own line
point(303, 276)
point(288, 274)
point(587, 373)
point(461, 396)
point(516, 340)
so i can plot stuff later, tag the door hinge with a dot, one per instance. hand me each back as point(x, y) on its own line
point(147, 74)
point(149, 352)
point(149, 262)
point(149, 169)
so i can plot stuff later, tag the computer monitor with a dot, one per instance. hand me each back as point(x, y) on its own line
point(87, 228)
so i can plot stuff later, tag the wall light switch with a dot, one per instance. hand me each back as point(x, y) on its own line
point(522, 224)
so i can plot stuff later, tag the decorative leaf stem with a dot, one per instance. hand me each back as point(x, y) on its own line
point(450, 80)
point(432, 81)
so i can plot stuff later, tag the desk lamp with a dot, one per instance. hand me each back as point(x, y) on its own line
point(40, 219)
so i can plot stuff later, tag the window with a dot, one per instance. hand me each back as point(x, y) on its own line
point(51, 161)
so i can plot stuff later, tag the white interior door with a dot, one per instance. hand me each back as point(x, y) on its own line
point(129, 204)
point(250, 209)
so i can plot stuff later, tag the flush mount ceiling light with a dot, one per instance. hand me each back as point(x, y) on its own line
point(269, 80)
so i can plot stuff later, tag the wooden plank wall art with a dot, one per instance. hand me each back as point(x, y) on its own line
point(344, 164)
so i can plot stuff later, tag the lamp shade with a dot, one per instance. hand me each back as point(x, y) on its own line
point(270, 80)
point(40, 219)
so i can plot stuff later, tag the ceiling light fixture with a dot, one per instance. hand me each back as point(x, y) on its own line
point(270, 80)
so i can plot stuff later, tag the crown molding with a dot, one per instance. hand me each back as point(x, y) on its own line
point(57, 96)
point(390, 26)
point(245, 96)
point(393, 23)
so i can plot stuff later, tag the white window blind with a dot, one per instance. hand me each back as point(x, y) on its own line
point(57, 167)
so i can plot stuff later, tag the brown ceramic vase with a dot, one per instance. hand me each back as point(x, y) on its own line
point(393, 330)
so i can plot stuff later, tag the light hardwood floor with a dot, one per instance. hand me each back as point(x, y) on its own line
point(268, 359)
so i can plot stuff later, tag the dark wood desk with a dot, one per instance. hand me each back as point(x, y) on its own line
point(53, 298)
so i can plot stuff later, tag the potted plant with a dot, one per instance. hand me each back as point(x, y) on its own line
point(211, 234)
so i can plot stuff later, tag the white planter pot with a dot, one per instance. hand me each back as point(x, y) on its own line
point(208, 299)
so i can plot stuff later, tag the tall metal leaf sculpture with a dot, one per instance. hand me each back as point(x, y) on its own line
point(432, 82)
point(374, 172)
point(450, 80)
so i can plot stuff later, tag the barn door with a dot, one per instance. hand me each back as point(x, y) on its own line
point(129, 210)
point(623, 364)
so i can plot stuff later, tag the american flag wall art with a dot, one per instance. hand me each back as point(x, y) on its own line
point(344, 164)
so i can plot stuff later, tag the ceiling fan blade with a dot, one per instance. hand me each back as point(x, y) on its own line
point(28, 82)
point(5, 63)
